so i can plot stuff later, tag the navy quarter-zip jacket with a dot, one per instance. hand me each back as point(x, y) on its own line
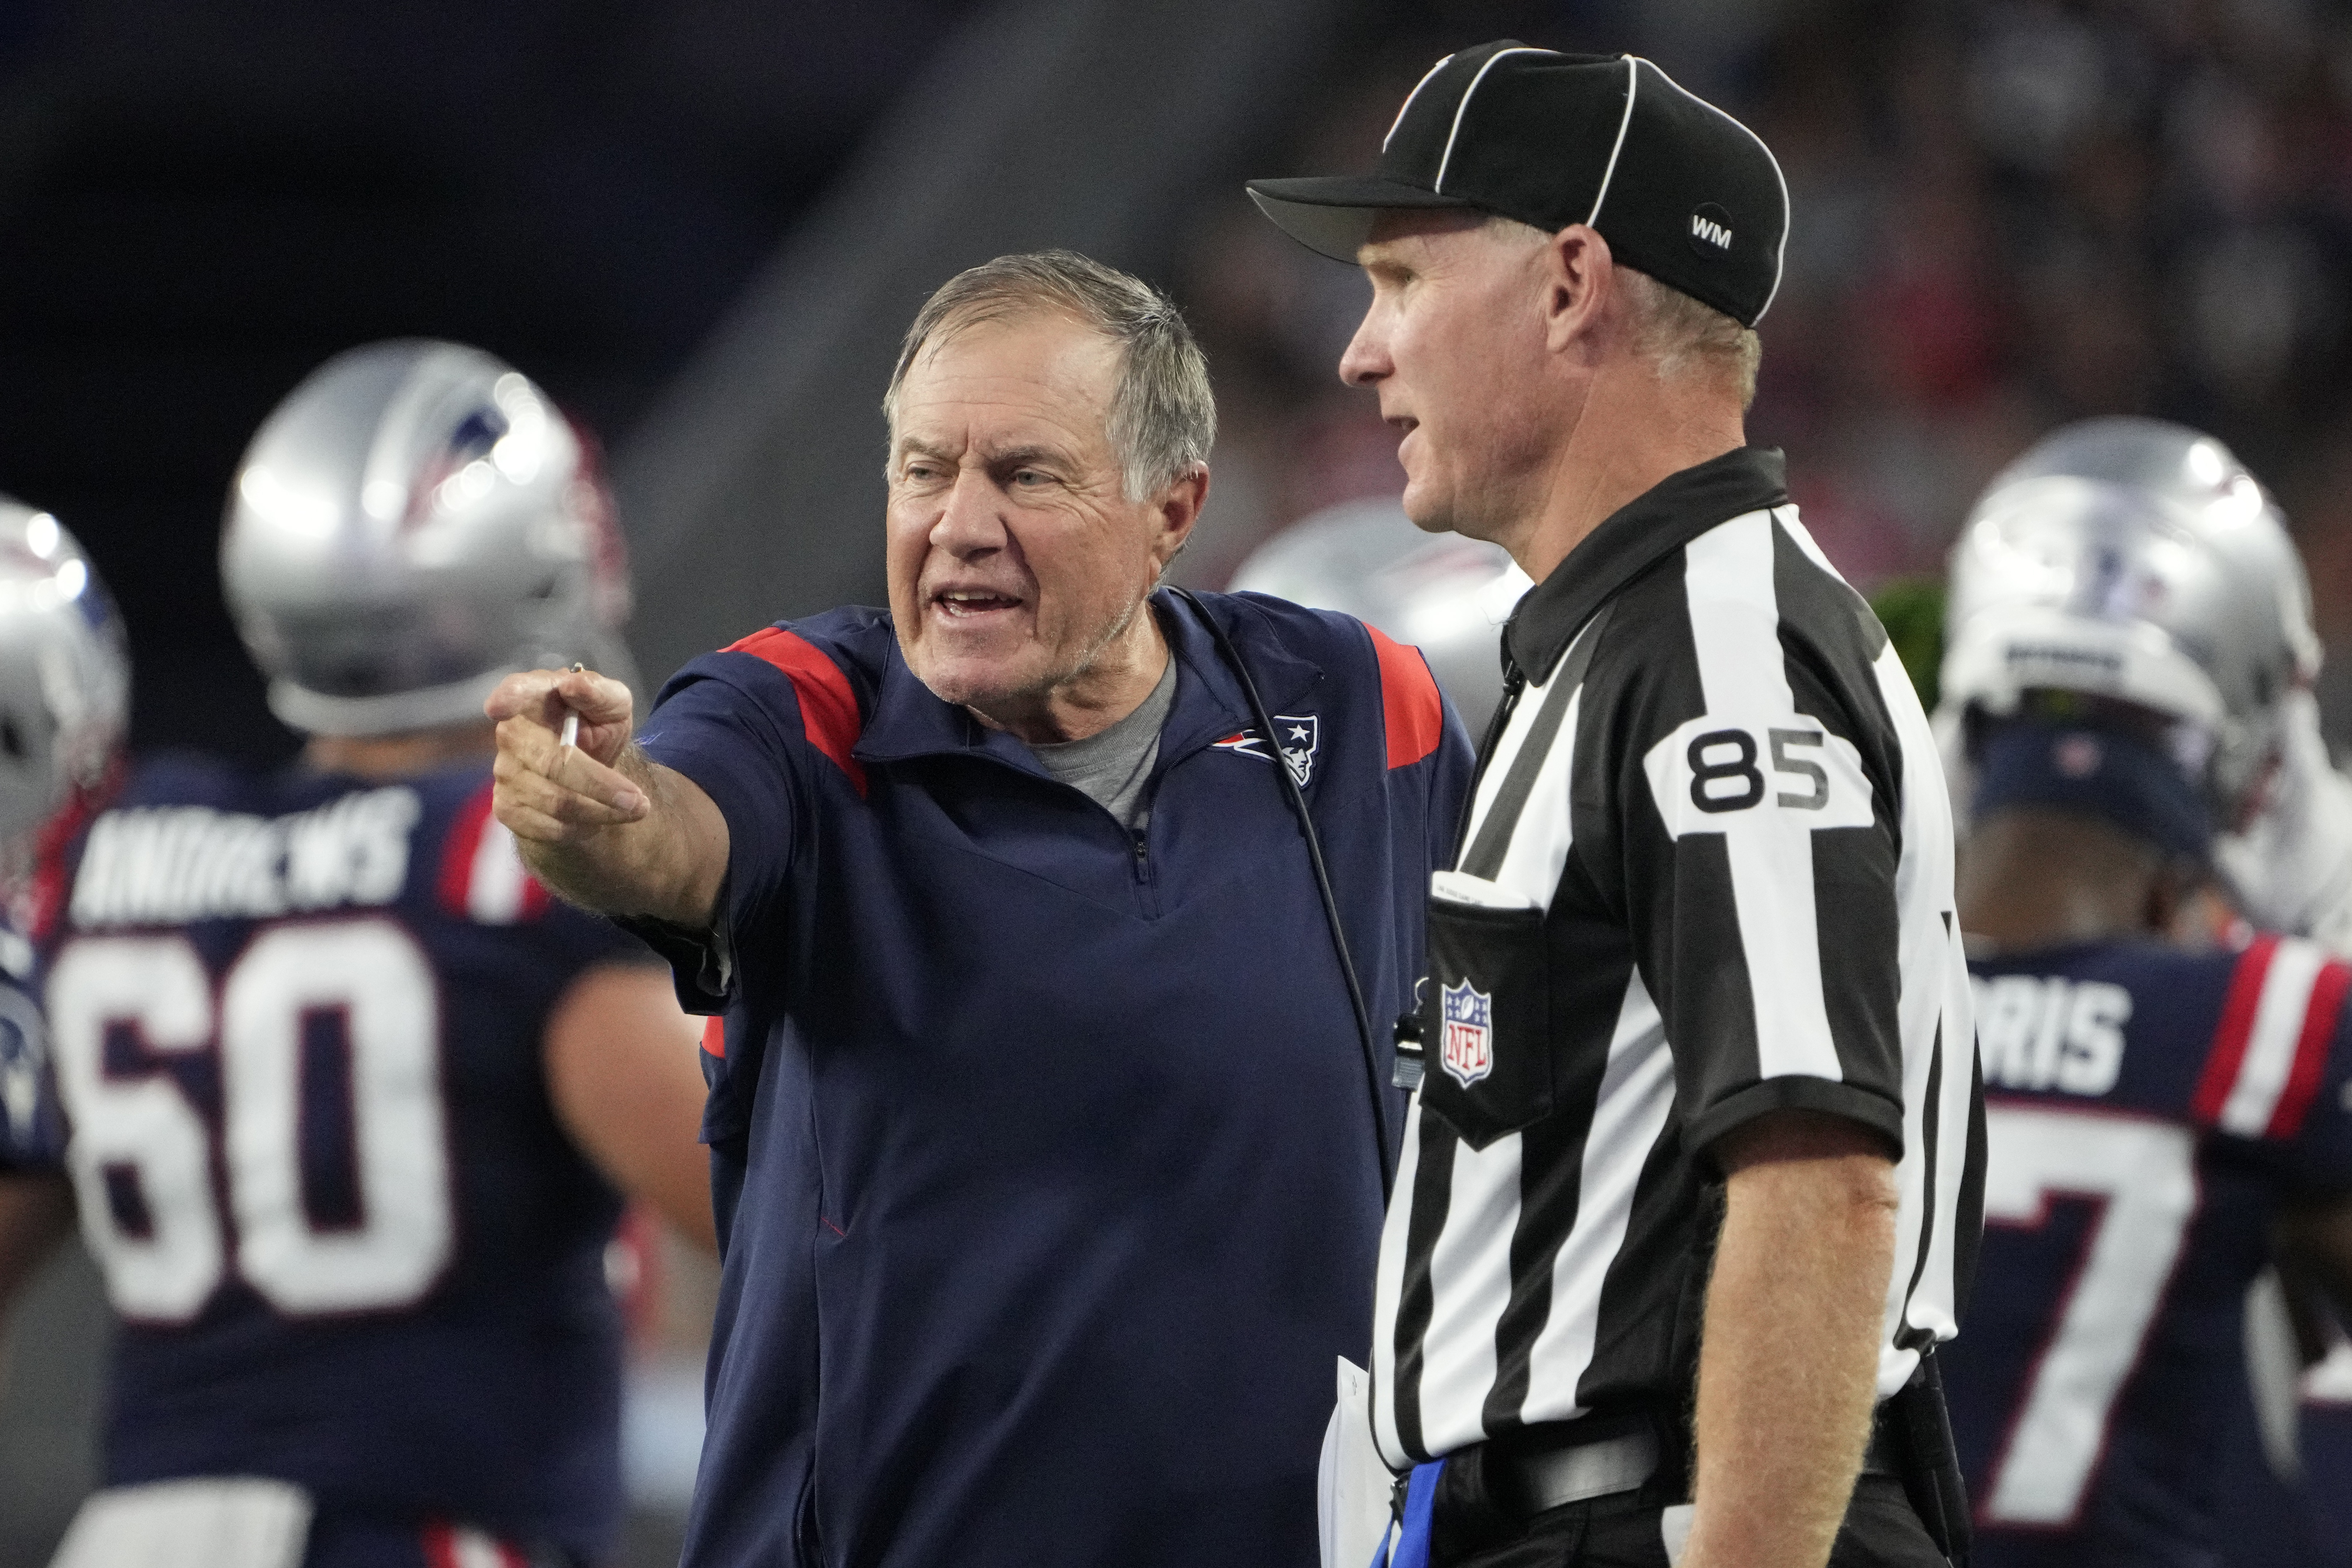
point(1045, 1155)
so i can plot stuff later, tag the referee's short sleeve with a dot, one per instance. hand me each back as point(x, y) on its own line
point(1754, 792)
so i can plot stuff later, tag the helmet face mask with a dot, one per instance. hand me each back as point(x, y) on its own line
point(412, 524)
point(2137, 564)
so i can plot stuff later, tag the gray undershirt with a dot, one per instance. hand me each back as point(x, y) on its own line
point(1113, 766)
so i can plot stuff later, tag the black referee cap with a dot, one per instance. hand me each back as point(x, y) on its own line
point(1680, 189)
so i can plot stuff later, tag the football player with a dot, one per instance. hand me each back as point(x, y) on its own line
point(350, 1103)
point(2130, 634)
point(64, 704)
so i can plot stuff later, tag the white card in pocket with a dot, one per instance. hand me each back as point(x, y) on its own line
point(1461, 888)
point(1355, 1482)
point(213, 1521)
point(1674, 1530)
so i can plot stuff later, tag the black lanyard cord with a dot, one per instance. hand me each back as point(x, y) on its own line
point(1298, 799)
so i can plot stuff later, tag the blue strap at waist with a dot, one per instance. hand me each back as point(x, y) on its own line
point(1412, 1540)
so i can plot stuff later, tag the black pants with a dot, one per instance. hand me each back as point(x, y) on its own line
point(1622, 1531)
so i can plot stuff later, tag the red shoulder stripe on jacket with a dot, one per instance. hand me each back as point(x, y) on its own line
point(482, 875)
point(714, 1035)
point(829, 707)
point(1409, 699)
point(2311, 1048)
point(2237, 1027)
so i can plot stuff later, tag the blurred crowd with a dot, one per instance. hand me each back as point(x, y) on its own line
point(2007, 215)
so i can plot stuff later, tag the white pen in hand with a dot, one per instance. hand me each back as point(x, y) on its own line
point(571, 737)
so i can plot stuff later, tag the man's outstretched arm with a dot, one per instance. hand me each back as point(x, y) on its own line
point(1788, 1361)
point(600, 822)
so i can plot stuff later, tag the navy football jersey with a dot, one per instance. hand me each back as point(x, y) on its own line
point(2269, 1521)
point(2146, 1109)
point(2326, 1442)
point(295, 1025)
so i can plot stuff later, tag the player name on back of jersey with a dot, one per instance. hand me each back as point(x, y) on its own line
point(168, 865)
point(2050, 1032)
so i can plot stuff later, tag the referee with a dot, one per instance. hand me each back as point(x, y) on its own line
point(1690, 1188)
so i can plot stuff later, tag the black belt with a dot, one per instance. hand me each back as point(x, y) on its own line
point(1549, 1477)
point(1549, 1473)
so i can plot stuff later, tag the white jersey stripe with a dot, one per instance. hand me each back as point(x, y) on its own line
point(1470, 1284)
point(2270, 1045)
point(1727, 569)
point(1498, 767)
point(1929, 946)
point(1637, 1093)
point(1539, 844)
point(1734, 626)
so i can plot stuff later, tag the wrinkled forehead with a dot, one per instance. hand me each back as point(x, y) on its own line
point(1027, 375)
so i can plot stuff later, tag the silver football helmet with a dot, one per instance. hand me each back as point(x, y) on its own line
point(1445, 594)
point(2138, 562)
point(414, 522)
point(65, 674)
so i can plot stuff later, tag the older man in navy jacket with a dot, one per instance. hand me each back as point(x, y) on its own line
point(1049, 1141)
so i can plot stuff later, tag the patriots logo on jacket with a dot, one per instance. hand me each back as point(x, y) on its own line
point(1299, 734)
point(1468, 1052)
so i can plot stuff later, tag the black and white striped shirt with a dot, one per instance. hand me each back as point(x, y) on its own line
point(1707, 874)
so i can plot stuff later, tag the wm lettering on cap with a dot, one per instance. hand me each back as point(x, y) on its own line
point(1711, 228)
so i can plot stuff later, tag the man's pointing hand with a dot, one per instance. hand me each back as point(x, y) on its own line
point(547, 791)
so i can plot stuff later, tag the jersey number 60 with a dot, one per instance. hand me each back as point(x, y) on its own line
point(134, 1122)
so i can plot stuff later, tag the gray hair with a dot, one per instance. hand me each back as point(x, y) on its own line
point(1674, 335)
point(1677, 334)
point(1162, 418)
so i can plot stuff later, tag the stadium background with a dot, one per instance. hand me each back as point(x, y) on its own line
point(702, 225)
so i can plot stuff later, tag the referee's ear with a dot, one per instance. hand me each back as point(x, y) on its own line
point(1579, 281)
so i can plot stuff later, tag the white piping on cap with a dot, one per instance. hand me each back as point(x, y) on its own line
point(1779, 269)
point(1463, 107)
point(1633, 80)
point(1410, 96)
point(1780, 264)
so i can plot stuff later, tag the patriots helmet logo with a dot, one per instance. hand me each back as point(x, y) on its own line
point(1469, 1048)
point(1297, 735)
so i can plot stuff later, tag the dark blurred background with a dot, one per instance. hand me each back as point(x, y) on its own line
point(703, 223)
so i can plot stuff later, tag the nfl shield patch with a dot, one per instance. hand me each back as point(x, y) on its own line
point(1467, 1051)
